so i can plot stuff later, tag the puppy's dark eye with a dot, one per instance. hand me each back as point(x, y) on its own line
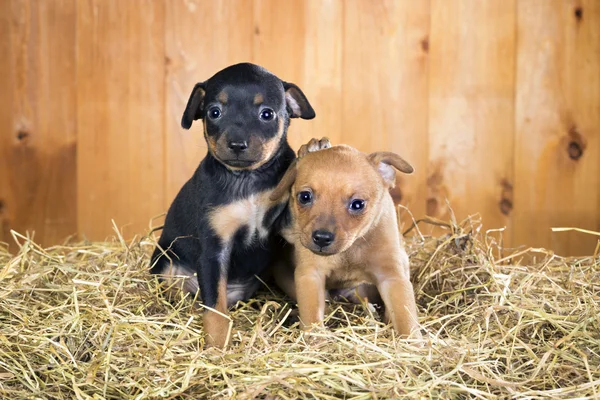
point(267, 114)
point(214, 113)
point(305, 197)
point(357, 205)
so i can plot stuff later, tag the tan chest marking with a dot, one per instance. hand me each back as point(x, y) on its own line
point(348, 275)
point(228, 219)
point(361, 263)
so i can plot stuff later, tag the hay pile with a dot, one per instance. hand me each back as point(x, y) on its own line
point(87, 321)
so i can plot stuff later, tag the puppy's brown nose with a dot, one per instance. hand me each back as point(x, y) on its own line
point(322, 238)
point(238, 146)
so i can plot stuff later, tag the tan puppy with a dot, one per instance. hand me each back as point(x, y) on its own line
point(345, 233)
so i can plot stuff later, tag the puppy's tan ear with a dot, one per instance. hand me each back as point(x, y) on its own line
point(385, 160)
point(285, 184)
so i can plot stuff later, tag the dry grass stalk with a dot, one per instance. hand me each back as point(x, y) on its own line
point(86, 320)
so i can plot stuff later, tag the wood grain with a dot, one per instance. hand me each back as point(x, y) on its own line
point(558, 124)
point(301, 42)
point(280, 44)
point(385, 81)
point(6, 119)
point(322, 72)
point(120, 95)
point(471, 109)
point(37, 150)
point(199, 42)
point(496, 103)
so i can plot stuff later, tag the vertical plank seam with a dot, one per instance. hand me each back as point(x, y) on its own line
point(8, 197)
point(428, 115)
point(513, 169)
point(76, 115)
point(77, 130)
point(254, 37)
point(165, 166)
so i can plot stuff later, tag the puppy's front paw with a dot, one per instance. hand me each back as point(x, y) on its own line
point(314, 145)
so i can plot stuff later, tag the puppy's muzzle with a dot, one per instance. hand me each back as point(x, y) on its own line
point(238, 151)
point(237, 146)
point(323, 238)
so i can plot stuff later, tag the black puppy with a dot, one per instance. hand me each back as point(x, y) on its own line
point(220, 226)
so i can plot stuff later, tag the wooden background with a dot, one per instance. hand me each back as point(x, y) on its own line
point(496, 103)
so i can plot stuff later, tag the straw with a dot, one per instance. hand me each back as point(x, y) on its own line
point(87, 321)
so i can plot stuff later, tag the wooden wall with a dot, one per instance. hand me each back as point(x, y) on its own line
point(495, 102)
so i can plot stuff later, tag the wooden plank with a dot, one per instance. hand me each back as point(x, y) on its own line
point(581, 20)
point(6, 117)
point(269, 33)
point(471, 110)
point(558, 124)
point(385, 80)
point(279, 37)
point(322, 76)
point(201, 39)
point(121, 103)
point(363, 65)
point(301, 42)
point(38, 186)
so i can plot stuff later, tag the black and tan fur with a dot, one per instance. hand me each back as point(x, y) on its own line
point(220, 231)
point(345, 233)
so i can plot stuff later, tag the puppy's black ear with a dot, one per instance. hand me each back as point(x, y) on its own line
point(285, 184)
point(195, 105)
point(297, 104)
point(385, 160)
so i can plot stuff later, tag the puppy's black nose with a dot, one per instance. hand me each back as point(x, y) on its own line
point(238, 146)
point(323, 238)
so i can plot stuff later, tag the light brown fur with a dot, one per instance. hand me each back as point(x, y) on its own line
point(217, 325)
point(250, 211)
point(258, 99)
point(367, 248)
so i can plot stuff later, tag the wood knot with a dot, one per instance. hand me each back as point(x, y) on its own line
point(432, 206)
point(425, 44)
point(578, 13)
point(575, 151)
point(256, 30)
point(437, 191)
point(506, 185)
point(506, 206)
point(1, 205)
point(22, 135)
point(576, 144)
point(506, 196)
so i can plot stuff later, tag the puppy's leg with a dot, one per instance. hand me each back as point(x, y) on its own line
point(216, 325)
point(213, 289)
point(310, 291)
point(399, 297)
